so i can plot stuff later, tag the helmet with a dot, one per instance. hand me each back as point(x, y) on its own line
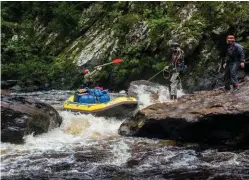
point(86, 71)
point(230, 38)
point(174, 44)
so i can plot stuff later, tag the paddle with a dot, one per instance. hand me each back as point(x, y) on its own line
point(115, 61)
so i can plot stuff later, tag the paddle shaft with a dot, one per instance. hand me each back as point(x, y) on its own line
point(115, 61)
point(104, 64)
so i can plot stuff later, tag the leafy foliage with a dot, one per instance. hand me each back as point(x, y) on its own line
point(37, 36)
point(33, 34)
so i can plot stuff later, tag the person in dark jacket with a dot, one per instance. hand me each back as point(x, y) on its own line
point(235, 58)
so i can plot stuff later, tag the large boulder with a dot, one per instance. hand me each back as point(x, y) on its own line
point(213, 117)
point(21, 116)
point(137, 86)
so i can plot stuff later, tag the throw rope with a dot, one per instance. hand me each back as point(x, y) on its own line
point(155, 75)
point(165, 69)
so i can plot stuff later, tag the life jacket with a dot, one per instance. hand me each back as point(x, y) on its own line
point(178, 57)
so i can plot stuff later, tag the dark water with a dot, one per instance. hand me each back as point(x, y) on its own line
point(88, 147)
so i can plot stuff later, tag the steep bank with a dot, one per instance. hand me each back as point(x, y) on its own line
point(51, 42)
point(212, 117)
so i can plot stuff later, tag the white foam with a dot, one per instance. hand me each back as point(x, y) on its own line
point(81, 129)
point(121, 153)
point(145, 94)
point(76, 129)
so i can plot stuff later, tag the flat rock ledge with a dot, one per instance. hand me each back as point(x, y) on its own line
point(209, 117)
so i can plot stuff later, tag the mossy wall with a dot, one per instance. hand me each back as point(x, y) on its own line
point(51, 42)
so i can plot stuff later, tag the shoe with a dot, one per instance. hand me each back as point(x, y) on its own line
point(236, 87)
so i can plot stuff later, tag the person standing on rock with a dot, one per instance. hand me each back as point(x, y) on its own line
point(176, 66)
point(235, 58)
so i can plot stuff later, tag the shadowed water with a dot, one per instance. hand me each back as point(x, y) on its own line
point(88, 147)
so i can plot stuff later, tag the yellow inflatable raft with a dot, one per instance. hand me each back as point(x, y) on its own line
point(117, 107)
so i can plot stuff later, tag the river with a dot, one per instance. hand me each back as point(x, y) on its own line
point(88, 147)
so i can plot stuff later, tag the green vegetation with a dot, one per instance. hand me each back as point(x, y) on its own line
point(42, 41)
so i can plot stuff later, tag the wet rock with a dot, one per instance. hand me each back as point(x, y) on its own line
point(212, 117)
point(5, 92)
point(25, 86)
point(21, 116)
point(30, 88)
point(8, 84)
point(16, 88)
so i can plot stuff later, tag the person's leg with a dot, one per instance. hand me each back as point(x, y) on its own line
point(227, 78)
point(171, 97)
point(173, 86)
point(233, 71)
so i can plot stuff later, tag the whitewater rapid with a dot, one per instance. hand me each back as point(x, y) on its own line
point(78, 129)
point(89, 147)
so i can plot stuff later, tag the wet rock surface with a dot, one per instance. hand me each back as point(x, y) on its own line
point(213, 117)
point(8, 84)
point(21, 116)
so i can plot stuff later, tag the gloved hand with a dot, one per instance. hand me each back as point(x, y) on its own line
point(224, 65)
point(182, 66)
point(166, 68)
point(171, 65)
point(99, 68)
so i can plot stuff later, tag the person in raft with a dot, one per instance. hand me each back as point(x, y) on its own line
point(89, 80)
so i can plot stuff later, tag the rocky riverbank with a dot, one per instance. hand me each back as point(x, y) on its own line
point(212, 117)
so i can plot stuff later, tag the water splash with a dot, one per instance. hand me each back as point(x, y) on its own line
point(91, 146)
point(76, 129)
point(148, 94)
